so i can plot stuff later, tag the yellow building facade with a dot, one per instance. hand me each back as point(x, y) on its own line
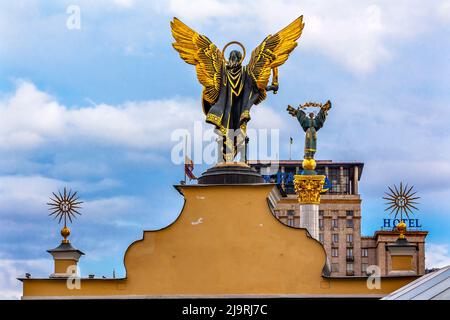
point(225, 242)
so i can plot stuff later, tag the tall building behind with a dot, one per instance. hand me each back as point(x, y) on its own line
point(349, 253)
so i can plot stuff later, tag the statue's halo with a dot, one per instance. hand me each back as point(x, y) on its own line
point(230, 43)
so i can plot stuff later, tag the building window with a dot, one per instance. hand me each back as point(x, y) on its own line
point(335, 267)
point(334, 223)
point(321, 213)
point(321, 237)
point(335, 237)
point(350, 238)
point(349, 213)
point(349, 267)
point(333, 176)
point(349, 223)
point(349, 253)
point(320, 223)
point(364, 252)
point(364, 268)
point(344, 187)
point(334, 252)
point(290, 212)
point(290, 221)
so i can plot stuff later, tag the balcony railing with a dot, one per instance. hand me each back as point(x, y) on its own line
point(350, 258)
point(350, 273)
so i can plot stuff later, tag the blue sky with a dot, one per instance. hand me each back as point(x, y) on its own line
point(93, 109)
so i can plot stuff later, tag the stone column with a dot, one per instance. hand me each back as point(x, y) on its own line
point(309, 219)
point(355, 180)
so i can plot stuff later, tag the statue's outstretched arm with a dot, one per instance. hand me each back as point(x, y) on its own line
point(274, 86)
point(319, 120)
point(303, 119)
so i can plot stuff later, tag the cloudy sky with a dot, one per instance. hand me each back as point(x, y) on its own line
point(93, 108)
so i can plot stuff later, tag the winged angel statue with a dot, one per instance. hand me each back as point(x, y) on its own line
point(230, 89)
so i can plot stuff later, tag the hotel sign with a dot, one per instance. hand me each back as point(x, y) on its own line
point(410, 223)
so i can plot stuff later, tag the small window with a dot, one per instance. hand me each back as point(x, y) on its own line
point(320, 223)
point(364, 268)
point(321, 213)
point(290, 221)
point(335, 237)
point(321, 237)
point(349, 267)
point(290, 212)
point(334, 252)
point(364, 252)
point(349, 252)
point(335, 267)
point(334, 223)
point(349, 223)
point(349, 213)
point(350, 237)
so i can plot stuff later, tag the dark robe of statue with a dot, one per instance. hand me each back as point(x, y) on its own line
point(311, 124)
point(231, 112)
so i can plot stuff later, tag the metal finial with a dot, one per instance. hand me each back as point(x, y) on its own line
point(64, 206)
point(401, 201)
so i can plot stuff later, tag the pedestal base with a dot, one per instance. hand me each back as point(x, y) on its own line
point(230, 173)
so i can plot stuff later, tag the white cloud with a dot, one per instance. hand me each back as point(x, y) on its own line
point(357, 34)
point(10, 270)
point(437, 255)
point(125, 3)
point(31, 118)
point(26, 194)
point(201, 9)
point(265, 117)
point(105, 209)
point(444, 11)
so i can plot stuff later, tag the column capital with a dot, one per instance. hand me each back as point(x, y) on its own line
point(308, 188)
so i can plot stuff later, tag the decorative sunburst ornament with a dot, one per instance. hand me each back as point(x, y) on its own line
point(401, 202)
point(65, 206)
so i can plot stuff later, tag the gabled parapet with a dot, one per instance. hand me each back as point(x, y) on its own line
point(225, 242)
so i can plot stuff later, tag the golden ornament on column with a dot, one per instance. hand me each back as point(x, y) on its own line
point(308, 188)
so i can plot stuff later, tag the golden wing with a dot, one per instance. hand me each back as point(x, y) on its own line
point(198, 50)
point(272, 53)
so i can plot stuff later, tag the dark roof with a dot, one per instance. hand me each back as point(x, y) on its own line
point(65, 247)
